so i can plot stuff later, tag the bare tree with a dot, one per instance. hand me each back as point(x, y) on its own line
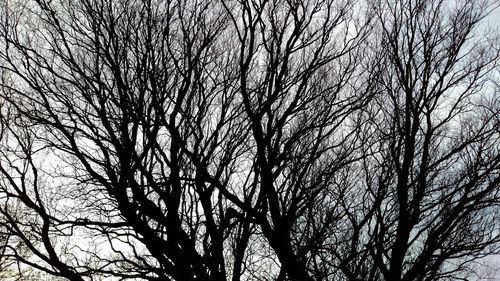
point(212, 140)
point(429, 175)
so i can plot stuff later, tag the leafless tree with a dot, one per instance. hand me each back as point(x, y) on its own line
point(428, 181)
point(247, 140)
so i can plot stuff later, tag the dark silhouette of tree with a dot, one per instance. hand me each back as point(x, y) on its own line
point(249, 140)
point(428, 179)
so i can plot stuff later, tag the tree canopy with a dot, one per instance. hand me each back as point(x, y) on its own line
point(249, 139)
